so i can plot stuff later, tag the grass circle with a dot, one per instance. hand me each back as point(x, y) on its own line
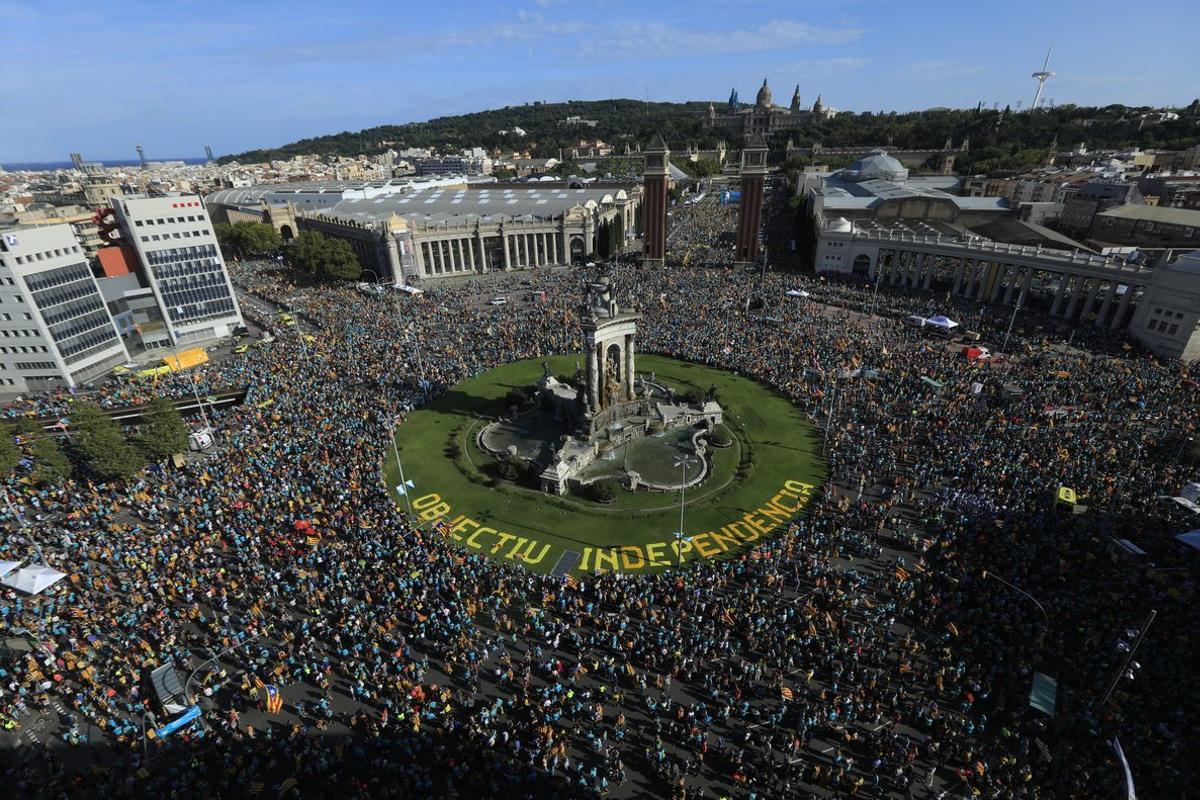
point(763, 478)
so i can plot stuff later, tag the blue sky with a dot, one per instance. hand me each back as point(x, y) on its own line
point(175, 75)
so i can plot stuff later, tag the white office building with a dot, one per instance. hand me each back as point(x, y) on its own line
point(181, 261)
point(55, 328)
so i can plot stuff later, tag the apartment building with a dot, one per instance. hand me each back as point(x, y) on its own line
point(179, 257)
point(55, 328)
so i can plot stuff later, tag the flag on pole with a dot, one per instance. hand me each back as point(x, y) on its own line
point(1130, 793)
point(402, 489)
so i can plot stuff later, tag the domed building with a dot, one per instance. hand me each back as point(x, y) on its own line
point(876, 166)
point(764, 118)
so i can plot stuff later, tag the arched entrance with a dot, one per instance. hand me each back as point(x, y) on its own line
point(612, 373)
point(577, 250)
point(862, 265)
point(286, 234)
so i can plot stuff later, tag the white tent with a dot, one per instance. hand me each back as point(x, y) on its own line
point(1191, 538)
point(7, 567)
point(33, 579)
point(796, 293)
point(941, 321)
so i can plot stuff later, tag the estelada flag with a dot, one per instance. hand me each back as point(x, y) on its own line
point(952, 628)
point(901, 574)
point(572, 582)
point(786, 692)
point(274, 699)
point(727, 618)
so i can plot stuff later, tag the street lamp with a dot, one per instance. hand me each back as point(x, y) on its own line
point(24, 526)
point(1131, 649)
point(1018, 589)
point(1011, 320)
point(187, 684)
point(404, 487)
point(683, 462)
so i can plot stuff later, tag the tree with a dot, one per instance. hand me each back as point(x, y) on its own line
point(324, 257)
point(247, 238)
point(51, 466)
point(101, 444)
point(10, 454)
point(164, 432)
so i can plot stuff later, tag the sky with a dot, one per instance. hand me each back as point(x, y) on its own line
point(176, 75)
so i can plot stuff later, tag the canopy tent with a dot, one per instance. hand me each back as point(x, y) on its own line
point(796, 293)
point(33, 579)
point(941, 321)
point(1191, 538)
point(7, 567)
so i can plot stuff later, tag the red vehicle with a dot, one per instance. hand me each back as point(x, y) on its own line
point(976, 353)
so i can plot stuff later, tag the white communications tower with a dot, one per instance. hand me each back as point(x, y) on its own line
point(1041, 78)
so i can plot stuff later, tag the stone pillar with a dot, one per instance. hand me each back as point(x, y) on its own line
point(930, 267)
point(1090, 301)
point(554, 247)
point(461, 261)
point(629, 366)
point(1063, 280)
point(1012, 285)
point(504, 245)
point(1119, 318)
point(985, 272)
point(481, 265)
point(1001, 273)
point(419, 257)
point(597, 360)
point(1104, 307)
point(593, 378)
point(958, 277)
point(1073, 303)
point(566, 245)
point(393, 257)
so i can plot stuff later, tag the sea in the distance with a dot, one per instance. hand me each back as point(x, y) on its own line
point(48, 166)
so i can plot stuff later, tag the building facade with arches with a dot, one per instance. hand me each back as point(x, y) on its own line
point(459, 229)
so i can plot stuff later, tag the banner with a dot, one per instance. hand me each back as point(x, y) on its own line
point(191, 714)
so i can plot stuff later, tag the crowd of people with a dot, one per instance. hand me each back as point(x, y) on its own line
point(865, 652)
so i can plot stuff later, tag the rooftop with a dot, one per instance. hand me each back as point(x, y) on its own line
point(1170, 216)
point(446, 204)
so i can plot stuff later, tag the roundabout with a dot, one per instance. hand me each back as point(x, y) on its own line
point(761, 464)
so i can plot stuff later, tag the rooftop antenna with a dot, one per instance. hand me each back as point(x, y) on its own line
point(1041, 78)
point(141, 156)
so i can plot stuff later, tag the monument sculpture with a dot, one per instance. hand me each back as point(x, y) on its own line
point(612, 407)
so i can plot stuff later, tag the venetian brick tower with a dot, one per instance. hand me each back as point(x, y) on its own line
point(753, 171)
point(654, 203)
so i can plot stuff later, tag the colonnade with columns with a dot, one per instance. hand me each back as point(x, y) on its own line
point(464, 251)
point(1102, 296)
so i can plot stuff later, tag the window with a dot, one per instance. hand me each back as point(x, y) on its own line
point(1173, 330)
point(1153, 325)
point(1157, 311)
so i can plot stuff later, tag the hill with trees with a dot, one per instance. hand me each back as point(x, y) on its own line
point(999, 139)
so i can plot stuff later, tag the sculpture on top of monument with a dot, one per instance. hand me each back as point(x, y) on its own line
point(598, 298)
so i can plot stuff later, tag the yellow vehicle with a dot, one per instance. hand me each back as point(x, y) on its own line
point(241, 348)
point(285, 317)
point(309, 338)
point(155, 371)
point(289, 323)
point(186, 359)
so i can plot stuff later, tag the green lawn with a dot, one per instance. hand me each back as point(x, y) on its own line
point(756, 484)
